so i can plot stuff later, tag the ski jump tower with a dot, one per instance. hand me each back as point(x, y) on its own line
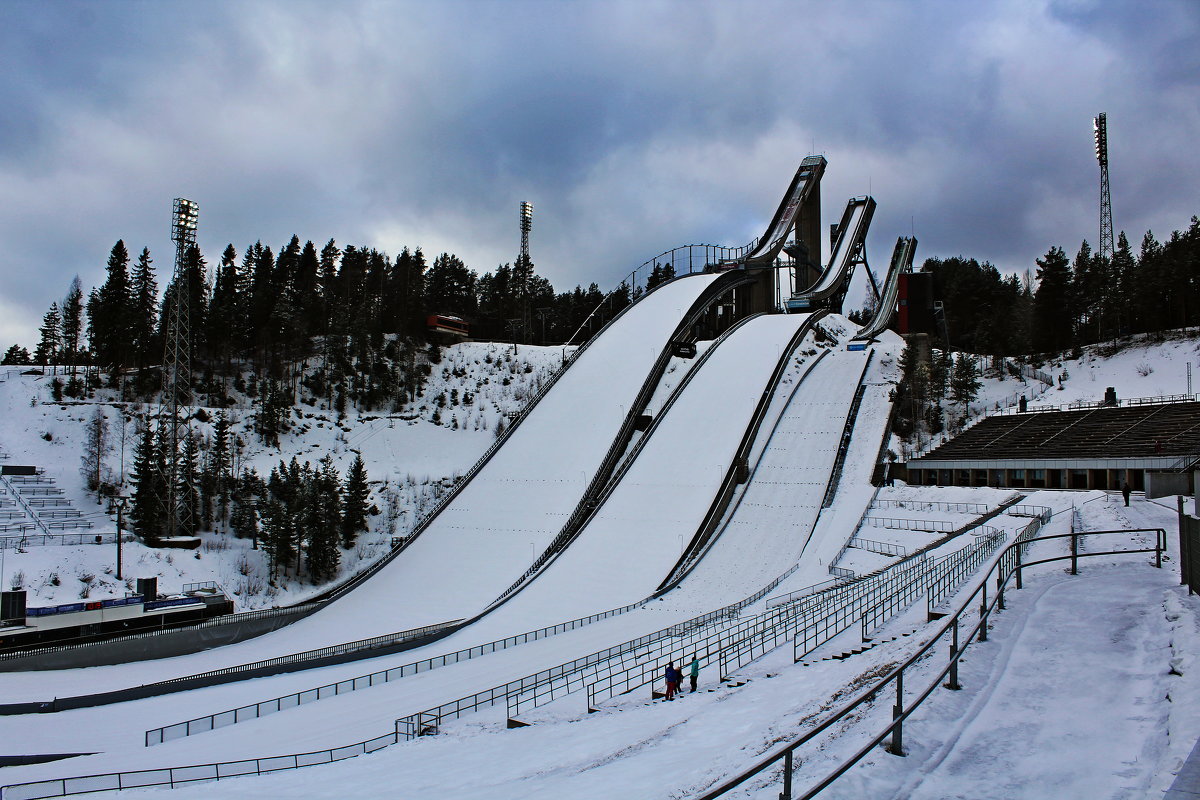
point(800, 213)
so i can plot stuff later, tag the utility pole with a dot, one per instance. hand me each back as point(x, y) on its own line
point(117, 503)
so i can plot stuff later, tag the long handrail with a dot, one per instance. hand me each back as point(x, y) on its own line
point(1007, 567)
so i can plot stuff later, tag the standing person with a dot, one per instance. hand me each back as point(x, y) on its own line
point(669, 675)
point(1125, 490)
point(694, 672)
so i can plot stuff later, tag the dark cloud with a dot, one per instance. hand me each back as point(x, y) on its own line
point(631, 126)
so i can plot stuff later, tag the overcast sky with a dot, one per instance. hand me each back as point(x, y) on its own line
point(631, 126)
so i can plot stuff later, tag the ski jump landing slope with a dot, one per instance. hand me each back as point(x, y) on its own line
point(519, 501)
point(486, 537)
point(634, 539)
point(769, 527)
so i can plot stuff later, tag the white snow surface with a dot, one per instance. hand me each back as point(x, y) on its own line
point(1020, 728)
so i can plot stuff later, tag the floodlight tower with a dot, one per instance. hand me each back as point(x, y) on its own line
point(1100, 126)
point(176, 397)
point(526, 268)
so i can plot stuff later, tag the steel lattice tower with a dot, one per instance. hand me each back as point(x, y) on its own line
point(174, 412)
point(1100, 125)
point(526, 266)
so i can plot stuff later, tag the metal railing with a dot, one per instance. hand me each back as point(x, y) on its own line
point(931, 505)
point(264, 708)
point(896, 524)
point(178, 776)
point(882, 548)
point(56, 539)
point(1007, 568)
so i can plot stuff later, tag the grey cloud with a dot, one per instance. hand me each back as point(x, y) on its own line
point(631, 126)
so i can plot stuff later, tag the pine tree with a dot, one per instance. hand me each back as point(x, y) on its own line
point(322, 519)
point(143, 312)
point(147, 509)
point(16, 356)
point(221, 466)
point(187, 491)
point(1052, 311)
point(243, 516)
point(72, 323)
point(223, 310)
point(354, 505)
point(95, 447)
point(1123, 277)
point(964, 384)
point(50, 345)
point(110, 312)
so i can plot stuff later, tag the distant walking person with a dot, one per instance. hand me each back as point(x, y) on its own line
point(694, 672)
point(671, 675)
point(1125, 490)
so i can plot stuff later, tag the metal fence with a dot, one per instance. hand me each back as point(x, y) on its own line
point(926, 525)
point(233, 716)
point(718, 635)
point(179, 776)
point(53, 539)
point(1006, 569)
point(933, 505)
point(882, 548)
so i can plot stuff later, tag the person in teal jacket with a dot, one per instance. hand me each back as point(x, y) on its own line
point(694, 672)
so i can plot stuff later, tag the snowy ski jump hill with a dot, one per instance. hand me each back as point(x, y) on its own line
point(510, 510)
point(776, 529)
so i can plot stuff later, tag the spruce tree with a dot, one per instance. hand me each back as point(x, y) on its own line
point(147, 508)
point(50, 345)
point(72, 323)
point(354, 505)
point(95, 447)
point(110, 312)
point(16, 356)
point(323, 516)
point(1052, 312)
point(964, 384)
point(143, 312)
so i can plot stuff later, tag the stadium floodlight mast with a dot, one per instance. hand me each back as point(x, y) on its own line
point(525, 264)
point(1100, 130)
point(174, 414)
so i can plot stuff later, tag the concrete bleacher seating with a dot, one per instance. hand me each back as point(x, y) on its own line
point(1139, 431)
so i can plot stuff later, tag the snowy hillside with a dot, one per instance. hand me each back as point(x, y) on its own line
point(412, 457)
point(1143, 366)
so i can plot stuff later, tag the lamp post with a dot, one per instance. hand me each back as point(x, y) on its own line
point(117, 503)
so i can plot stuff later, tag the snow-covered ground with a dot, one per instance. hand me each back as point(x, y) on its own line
point(1018, 729)
point(410, 462)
